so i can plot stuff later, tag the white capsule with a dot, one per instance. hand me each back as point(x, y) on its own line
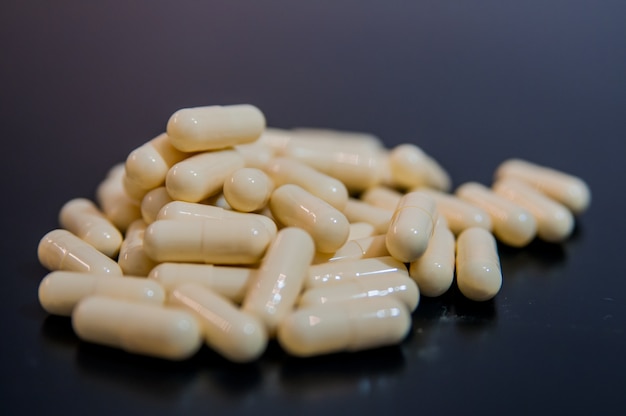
point(132, 258)
point(411, 227)
point(458, 213)
point(152, 203)
point(62, 250)
point(256, 154)
point(82, 218)
point(329, 137)
point(340, 271)
point(206, 241)
point(382, 197)
point(201, 176)
point(566, 189)
point(59, 292)
point(137, 327)
point(359, 211)
point(113, 200)
point(215, 127)
point(230, 282)
point(512, 224)
point(236, 335)
point(478, 273)
point(293, 206)
point(274, 289)
point(411, 167)
point(331, 190)
point(248, 189)
point(361, 230)
point(362, 248)
point(344, 326)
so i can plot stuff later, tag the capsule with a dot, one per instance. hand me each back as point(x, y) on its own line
point(382, 197)
point(344, 326)
point(398, 285)
point(361, 230)
point(512, 224)
point(433, 271)
point(82, 218)
point(206, 241)
point(256, 154)
point(236, 335)
point(137, 327)
point(411, 227)
point(458, 213)
point(275, 288)
point(362, 248)
point(133, 190)
point(478, 273)
point(554, 221)
point(324, 274)
point(60, 292)
point(61, 250)
point(292, 206)
point(147, 165)
point(152, 203)
point(248, 189)
point(228, 281)
point(411, 167)
point(331, 190)
point(566, 189)
point(116, 205)
point(132, 258)
point(201, 176)
point(359, 211)
point(215, 127)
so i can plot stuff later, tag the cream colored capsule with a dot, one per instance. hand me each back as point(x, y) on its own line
point(362, 248)
point(152, 203)
point(566, 189)
point(478, 273)
point(147, 165)
point(293, 206)
point(276, 139)
point(248, 189)
point(137, 327)
point(411, 167)
point(458, 213)
point(236, 335)
point(215, 127)
point(230, 282)
point(256, 154)
point(345, 326)
point(201, 176)
point(359, 211)
point(62, 250)
point(554, 221)
point(274, 289)
point(398, 285)
point(360, 230)
point(382, 197)
point(329, 137)
point(512, 224)
point(411, 227)
point(132, 258)
point(324, 274)
point(59, 292)
point(206, 241)
point(116, 205)
point(433, 271)
point(331, 190)
point(82, 218)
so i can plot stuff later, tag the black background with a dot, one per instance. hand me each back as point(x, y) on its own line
point(471, 82)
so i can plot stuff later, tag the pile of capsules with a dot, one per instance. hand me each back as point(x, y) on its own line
point(225, 232)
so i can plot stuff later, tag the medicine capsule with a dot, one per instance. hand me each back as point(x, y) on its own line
point(382, 197)
point(411, 167)
point(292, 206)
point(398, 285)
point(276, 139)
point(554, 221)
point(344, 326)
point(340, 271)
point(206, 241)
point(566, 189)
point(137, 327)
point(359, 211)
point(478, 273)
point(59, 292)
point(113, 200)
point(248, 189)
point(329, 137)
point(152, 203)
point(256, 154)
point(133, 190)
point(458, 213)
point(331, 190)
point(512, 224)
point(228, 281)
point(82, 218)
point(215, 127)
point(411, 227)
point(132, 258)
point(236, 335)
point(360, 230)
point(62, 250)
point(147, 165)
point(362, 248)
point(433, 271)
point(274, 289)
